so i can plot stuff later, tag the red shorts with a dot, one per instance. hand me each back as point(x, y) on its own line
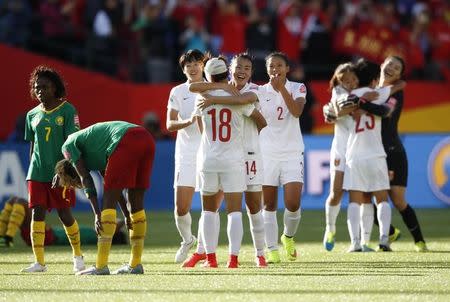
point(42, 194)
point(130, 165)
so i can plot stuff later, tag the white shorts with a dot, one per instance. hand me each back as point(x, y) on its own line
point(185, 175)
point(228, 182)
point(254, 170)
point(281, 172)
point(368, 175)
point(254, 188)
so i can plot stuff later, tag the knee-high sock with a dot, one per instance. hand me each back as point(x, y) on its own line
point(410, 219)
point(105, 238)
point(257, 230)
point(15, 219)
point(200, 245)
point(271, 229)
point(37, 240)
point(217, 229)
point(366, 222)
point(209, 231)
point(384, 220)
point(4, 218)
point(73, 234)
point(353, 222)
point(137, 236)
point(291, 221)
point(375, 220)
point(183, 224)
point(235, 231)
point(331, 214)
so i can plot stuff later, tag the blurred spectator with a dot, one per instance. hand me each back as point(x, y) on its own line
point(289, 30)
point(15, 17)
point(152, 123)
point(194, 36)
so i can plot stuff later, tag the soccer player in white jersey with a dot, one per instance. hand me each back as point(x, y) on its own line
point(366, 172)
point(241, 69)
point(282, 150)
point(344, 80)
point(222, 165)
point(179, 118)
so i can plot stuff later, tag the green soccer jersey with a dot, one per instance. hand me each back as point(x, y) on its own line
point(95, 143)
point(48, 130)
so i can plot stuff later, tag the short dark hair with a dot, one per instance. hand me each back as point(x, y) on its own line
point(43, 71)
point(280, 55)
point(192, 55)
point(366, 71)
point(243, 55)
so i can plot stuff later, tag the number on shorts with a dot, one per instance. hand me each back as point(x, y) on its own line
point(48, 130)
point(224, 128)
point(251, 167)
point(369, 125)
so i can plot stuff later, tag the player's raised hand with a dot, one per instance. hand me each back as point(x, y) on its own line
point(277, 82)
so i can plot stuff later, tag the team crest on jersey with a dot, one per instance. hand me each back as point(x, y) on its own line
point(59, 120)
point(439, 170)
point(337, 161)
point(302, 88)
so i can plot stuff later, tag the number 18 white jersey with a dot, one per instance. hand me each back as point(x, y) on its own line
point(221, 144)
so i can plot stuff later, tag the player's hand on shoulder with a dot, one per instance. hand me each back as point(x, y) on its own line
point(231, 89)
point(351, 101)
point(370, 96)
point(204, 101)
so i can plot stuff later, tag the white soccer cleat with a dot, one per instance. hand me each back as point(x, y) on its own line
point(127, 269)
point(78, 264)
point(183, 251)
point(35, 268)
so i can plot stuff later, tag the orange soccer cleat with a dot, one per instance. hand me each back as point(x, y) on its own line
point(194, 259)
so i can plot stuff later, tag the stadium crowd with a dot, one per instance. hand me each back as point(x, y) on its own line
point(134, 39)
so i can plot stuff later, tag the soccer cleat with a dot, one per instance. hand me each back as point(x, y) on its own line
point(328, 240)
point(420, 246)
point(260, 261)
point(6, 241)
point(194, 259)
point(366, 249)
point(211, 261)
point(396, 236)
point(127, 269)
point(183, 251)
point(35, 268)
point(354, 248)
point(384, 248)
point(233, 261)
point(273, 256)
point(289, 247)
point(94, 271)
point(78, 264)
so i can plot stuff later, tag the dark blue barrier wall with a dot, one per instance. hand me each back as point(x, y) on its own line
point(428, 187)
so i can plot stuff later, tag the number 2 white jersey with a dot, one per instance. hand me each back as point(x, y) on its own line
point(364, 141)
point(188, 138)
point(281, 139)
point(221, 144)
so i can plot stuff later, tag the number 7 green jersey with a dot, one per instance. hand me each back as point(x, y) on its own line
point(48, 130)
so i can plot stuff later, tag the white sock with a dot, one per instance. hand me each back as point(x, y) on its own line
point(291, 221)
point(183, 224)
point(271, 229)
point(200, 246)
point(235, 231)
point(384, 221)
point(331, 214)
point(366, 222)
point(209, 231)
point(217, 229)
point(257, 230)
point(353, 223)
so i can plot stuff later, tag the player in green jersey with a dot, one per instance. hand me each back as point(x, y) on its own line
point(47, 127)
point(123, 153)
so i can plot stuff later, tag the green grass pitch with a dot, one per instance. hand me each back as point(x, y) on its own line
point(317, 275)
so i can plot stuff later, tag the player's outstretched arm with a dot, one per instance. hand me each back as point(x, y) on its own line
point(173, 123)
point(242, 99)
point(200, 87)
point(382, 110)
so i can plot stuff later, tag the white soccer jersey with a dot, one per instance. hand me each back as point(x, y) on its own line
point(188, 138)
point(221, 144)
point(282, 138)
point(251, 135)
point(341, 133)
point(364, 141)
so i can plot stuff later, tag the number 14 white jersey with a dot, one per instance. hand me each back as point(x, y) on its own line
point(221, 144)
